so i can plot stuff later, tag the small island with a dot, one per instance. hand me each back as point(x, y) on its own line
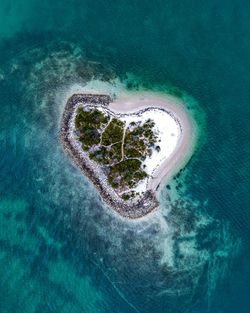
point(126, 145)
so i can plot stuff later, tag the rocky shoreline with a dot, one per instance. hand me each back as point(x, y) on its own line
point(129, 209)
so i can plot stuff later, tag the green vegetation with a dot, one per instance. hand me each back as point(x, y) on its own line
point(90, 119)
point(139, 139)
point(132, 152)
point(106, 155)
point(100, 155)
point(126, 196)
point(113, 133)
point(91, 136)
point(116, 151)
point(119, 153)
point(89, 123)
point(127, 173)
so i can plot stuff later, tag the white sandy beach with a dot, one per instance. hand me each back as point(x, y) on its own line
point(130, 103)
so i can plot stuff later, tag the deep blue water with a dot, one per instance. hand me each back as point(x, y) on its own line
point(60, 249)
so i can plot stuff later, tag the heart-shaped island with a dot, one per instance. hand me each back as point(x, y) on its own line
point(126, 146)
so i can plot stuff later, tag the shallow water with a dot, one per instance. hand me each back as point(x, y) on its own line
point(61, 250)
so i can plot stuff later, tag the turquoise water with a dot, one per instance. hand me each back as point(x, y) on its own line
point(60, 249)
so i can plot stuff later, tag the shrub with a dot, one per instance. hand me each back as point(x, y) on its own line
point(126, 197)
point(113, 133)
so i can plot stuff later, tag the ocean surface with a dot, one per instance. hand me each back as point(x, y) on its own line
point(61, 250)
